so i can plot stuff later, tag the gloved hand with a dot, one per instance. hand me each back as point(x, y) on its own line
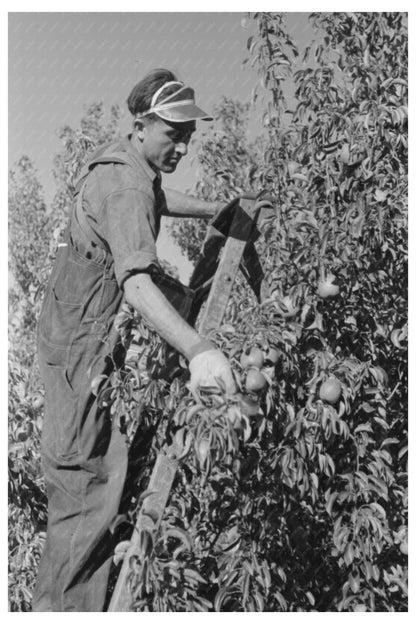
point(208, 367)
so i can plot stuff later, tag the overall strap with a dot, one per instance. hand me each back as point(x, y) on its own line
point(115, 157)
point(120, 158)
point(81, 217)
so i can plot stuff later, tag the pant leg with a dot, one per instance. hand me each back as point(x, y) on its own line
point(83, 501)
point(85, 463)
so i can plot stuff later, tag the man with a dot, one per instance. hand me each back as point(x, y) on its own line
point(109, 251)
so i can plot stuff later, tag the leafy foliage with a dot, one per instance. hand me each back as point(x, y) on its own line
point(28, 250)
point(27, 502)
point(27, 212)
point(309, 512)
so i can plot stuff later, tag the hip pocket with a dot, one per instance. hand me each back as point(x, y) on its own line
point(58, 323)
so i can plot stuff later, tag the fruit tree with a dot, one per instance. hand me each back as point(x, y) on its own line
point(302, 506)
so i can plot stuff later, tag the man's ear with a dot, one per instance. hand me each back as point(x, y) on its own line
point(139, 127)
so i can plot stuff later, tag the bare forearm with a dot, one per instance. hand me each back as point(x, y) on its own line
point(182, 205)
point(152, 305)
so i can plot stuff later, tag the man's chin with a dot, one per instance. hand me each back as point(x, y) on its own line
point(169, 167)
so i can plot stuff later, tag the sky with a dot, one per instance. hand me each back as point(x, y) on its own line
point(59, 63)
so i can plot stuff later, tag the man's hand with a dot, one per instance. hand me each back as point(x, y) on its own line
point(209, 367)
point(206, 362)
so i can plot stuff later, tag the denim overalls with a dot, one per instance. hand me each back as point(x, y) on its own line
point(84, 455)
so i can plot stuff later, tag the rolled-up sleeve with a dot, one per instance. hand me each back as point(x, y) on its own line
point(129, 221)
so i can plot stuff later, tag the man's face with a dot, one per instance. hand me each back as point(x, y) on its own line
point(164, 144)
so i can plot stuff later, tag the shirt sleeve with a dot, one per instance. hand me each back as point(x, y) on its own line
point(129, 221)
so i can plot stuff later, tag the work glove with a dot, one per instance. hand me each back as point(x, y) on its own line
point(210, 368)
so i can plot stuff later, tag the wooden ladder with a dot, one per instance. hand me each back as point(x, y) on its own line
point(233, 231)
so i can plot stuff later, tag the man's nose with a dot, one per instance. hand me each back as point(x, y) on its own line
point(181, 148)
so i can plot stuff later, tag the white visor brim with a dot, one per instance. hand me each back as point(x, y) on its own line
point(182, 113)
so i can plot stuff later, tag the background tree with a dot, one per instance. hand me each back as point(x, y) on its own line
point(29, 234)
